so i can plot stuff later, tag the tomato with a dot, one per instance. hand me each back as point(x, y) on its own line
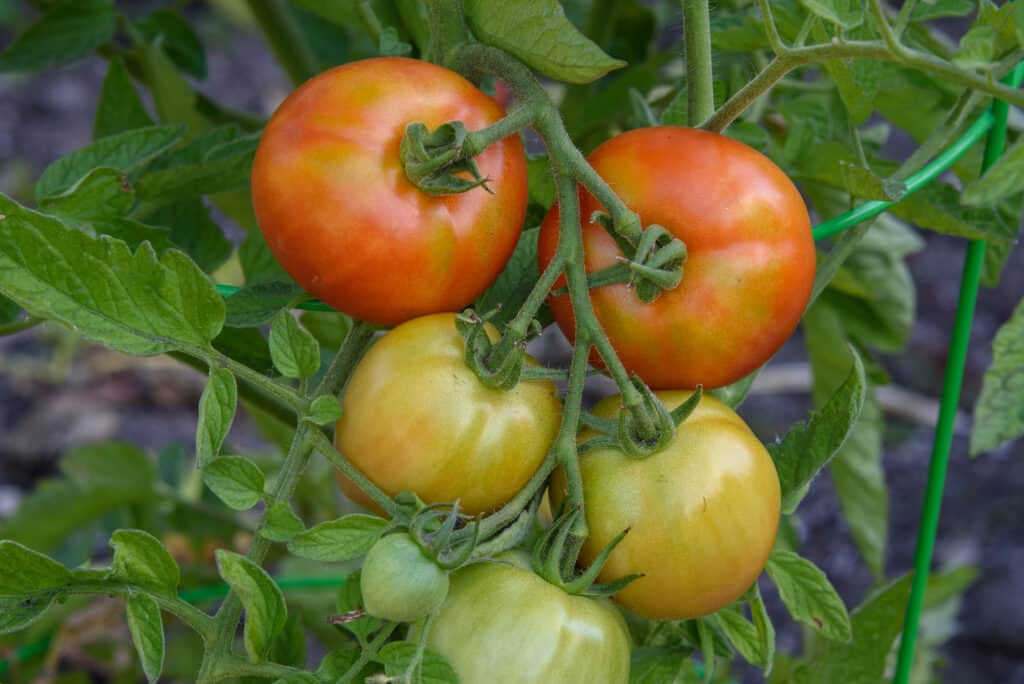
point(502, 623)
point(338, 212)
point(417, 418)
point(398, 582)
point(702, 514)
point(750, 264)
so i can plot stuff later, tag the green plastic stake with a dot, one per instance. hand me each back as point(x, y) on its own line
point(973, 262)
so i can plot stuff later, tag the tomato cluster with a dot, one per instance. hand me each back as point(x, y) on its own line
point(343, 219)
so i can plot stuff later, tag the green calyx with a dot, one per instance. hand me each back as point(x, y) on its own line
point(643, 430)
point(557, 551)
point(439, 162)
point(654, 264)
point(432, 529)
point(498, 365)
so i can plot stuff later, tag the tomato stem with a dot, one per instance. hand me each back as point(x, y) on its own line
point(697, 38)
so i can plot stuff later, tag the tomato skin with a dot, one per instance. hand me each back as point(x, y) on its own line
point(417, 418)
point(337, 211)
point(502, 623)
point(702, 514)
point(398, 582)
point(750, 265)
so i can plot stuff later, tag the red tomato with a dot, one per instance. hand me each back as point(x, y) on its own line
point(750, 263)
point(338, 212)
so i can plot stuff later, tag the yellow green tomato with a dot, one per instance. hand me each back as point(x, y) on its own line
point(502, 623)
point(398, 582)
point(702, 514)
point(417, 418)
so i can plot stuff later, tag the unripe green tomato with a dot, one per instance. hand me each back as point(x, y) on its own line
point(399, 582)
point(502, 623)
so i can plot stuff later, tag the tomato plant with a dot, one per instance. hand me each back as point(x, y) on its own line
point(362, 273)
point(339, 214)
point(502, 623)
point(749, 265)
point(416, 418)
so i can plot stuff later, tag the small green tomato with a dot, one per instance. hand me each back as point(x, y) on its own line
point(399, 582)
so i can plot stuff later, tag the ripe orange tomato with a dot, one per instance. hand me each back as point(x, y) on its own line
point(336, 209)
point(702, 514)
point(417, 418)
point(750, 265)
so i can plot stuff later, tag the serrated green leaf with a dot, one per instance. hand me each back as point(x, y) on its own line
point(808, 447)
point(178, 39)
point(126, 152)
point(217, 407)
point(999, 413)
point(808, 595)
point(864, 183)
point(237, 481)
point(120, 108)
point(1001, 180)
point(295, 351)
point(258, 264)
point(103, 193)
point(343, 539)
point(539, 33)
point(282, 524)
point(24, 572)
point(223, 168)
point(325, 410)
point(140, 558)
point(147, 629)
point(258, 304)
point(265, 609)
point(135, 303)
point(744, 636)
point(876, 624)
point(434, 669)
point(69, 30)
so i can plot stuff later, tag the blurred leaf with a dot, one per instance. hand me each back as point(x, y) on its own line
point(846, 13)
point(926, 10)
point(1002, 179)
point(977, 48)
point(999, 413)
point(174, 99)
point(246, 345)
point(192, 230)
point(265, 609)
point(69, 30)
point(329, 327)
point(807, 447)
point(120, 108)
point(350, 599)
point(539, 33)
point(294, 350)
point(178, 39)
point(808, 595)
point(937, 207)
point(660, 665)
point(397, 656)
point(289, 648)
point(514, 283)
point(217, 407)
point(744, 636)
point(864, 183)
point(258, 304)
point(135, 303)
point(139, 558)
point(236, 481)
point(126, 152)
point(147, 630)
point(876, 624)
point(258, 264)
point(343, 539)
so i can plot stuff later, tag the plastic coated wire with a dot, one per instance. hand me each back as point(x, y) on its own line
point(996, 114)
